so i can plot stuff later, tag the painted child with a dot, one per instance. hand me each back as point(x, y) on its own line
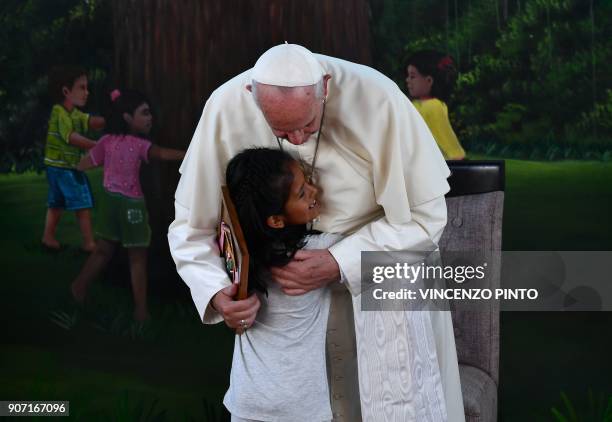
point(68, 187)
point(122, 218)
point(430, 78)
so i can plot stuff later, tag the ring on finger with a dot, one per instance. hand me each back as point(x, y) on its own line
point(243, 324)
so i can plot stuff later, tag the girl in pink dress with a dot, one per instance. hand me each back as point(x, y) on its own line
point(122, 218)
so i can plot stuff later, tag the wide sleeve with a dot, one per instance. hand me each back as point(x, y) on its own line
point(409, 177)
point(418, 237)
point(197, 260)
point(197, 205)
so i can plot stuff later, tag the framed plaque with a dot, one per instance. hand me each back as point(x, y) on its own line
point(232, 245)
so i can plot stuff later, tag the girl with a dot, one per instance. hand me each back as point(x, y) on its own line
point(430, 77)
point(122, 218)
point(278, 368)
point(279, 365)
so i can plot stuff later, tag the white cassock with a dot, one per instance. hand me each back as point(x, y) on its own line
point(382, 182)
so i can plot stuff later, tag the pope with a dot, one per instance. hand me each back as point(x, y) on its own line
point(382, 182)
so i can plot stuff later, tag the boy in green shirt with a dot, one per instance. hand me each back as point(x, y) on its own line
point(68, 188)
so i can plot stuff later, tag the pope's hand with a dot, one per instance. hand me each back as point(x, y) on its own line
point(308, 270)
point(234, 311)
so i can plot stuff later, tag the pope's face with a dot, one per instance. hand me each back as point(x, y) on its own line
point(294, 114)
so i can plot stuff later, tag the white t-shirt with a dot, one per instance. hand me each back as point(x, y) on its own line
point(279, 369)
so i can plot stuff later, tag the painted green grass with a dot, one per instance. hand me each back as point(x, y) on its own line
point(111, 368)
point(563, 205)
point(558, 206)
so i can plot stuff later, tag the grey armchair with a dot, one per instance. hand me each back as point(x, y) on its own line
point(475, 210)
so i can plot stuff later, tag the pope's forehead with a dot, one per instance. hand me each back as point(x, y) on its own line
point(289, 102)
point(286, 93)
point(299, 101)
point(288, 115)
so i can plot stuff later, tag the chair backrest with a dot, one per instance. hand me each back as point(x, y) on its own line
point(475, 211)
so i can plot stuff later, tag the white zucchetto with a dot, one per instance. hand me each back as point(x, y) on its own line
point(288, 65)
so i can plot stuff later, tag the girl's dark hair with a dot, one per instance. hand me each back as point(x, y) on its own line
point(441, 67)
point(259, 181)
point(127, 102)
point(60, 77)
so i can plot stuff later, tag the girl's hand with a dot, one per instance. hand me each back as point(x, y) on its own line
point(85, 163)
point(97, 122)
point(165, 154)
point(234, 311)
point(80, 141)
point(309, 270)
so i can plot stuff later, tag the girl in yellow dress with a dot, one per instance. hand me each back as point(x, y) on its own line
point(430, 78)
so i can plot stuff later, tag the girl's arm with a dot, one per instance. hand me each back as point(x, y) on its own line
point(80, 141)
point(97, 122)
point(166, 154)
point(86, 163)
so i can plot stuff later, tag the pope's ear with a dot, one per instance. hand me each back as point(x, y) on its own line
point(276, 221)
point(326, 79)
point(249, 88)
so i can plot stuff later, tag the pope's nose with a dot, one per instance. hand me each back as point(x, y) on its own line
point(297, 137)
